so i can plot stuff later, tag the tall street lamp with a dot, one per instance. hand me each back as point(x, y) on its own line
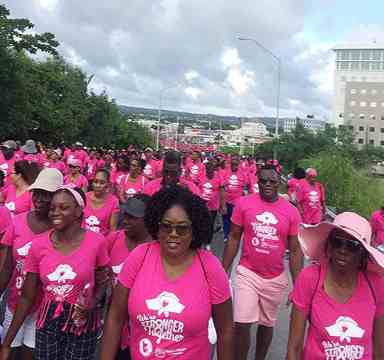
point(159, 112)
point(278, 78)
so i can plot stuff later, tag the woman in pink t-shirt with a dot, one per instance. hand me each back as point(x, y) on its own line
point(17, 197)
point(341, 298)
point(63, 264)
point(16, 243)
point(169, 289)
point(132, 233)
point(134, 182)
point(75, 178)
point(101, 211)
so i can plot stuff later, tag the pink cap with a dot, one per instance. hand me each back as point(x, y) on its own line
point(75, 162)
point(311, 172)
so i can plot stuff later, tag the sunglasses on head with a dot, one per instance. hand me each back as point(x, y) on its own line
point(181, 229)
point(338, 241)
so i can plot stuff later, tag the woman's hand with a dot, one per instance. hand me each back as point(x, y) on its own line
point(5, 352)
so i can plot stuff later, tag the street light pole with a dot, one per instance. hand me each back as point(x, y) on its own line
point(278, 60)
point(159, 113)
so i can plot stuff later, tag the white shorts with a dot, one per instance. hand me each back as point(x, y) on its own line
point(26, 334)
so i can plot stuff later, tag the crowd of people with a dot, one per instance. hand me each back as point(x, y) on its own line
point(106, 254)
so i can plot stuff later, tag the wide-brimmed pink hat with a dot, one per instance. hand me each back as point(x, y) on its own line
point(75, 162)
point(313, 238)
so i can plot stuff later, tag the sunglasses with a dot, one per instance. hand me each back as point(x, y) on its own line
point(338, 242)
point(181, 229)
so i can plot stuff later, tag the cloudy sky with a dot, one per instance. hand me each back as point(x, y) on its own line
point(188, 51)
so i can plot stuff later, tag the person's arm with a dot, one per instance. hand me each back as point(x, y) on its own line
point(223, 209)
point(5, 266)
point(232, 245)
point(223, 320)
point(24, 305)
point(295, 256)
point(296, 334)
point(113, 221)
point(117, 315)
point(378, 340)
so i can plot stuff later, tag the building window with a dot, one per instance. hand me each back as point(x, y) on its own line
point(371, 129)
point(365, 54)
point(382, 117)
point(373, 104)
point(382, 104)
point(382, 130)
point(373, 117)
point(375, 66)
point(344, 55)
point(344, 65)
point(352, 103)
point(371, 142)
point(361, 141)
point(361, 128)
point(351, 127)
point(363, 91)
point(353, 91)
point(362, 116)
point(363, 103)
point(381, 142)
point(355, 65)
point(344, 78)
point(341, 115)
point(373, 91)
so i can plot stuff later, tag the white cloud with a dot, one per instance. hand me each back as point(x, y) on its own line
point(193, 92)
point(230, 57)
point(191, 75)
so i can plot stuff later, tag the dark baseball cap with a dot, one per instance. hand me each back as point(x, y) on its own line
point(134, 207)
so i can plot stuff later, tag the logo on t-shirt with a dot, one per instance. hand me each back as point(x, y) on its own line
point(345, 329)
point(10, 206)
point(130, 192)
point(23, 251)
point(266, 238)
point(92, 223)
point(233, 181)
point(148, 170)
point(61, 275)
point(4, 168)
point(165, 303)
point(117, 268)
point(313, 197)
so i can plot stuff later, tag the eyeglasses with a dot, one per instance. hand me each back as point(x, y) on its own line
point(338, 242)
point(181, 229)
point(264, 181)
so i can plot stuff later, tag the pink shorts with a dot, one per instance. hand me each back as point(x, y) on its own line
point(257, 300)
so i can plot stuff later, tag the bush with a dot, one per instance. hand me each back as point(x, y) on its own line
point(347, 189)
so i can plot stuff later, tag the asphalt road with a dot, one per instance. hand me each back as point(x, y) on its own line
point(279, 344)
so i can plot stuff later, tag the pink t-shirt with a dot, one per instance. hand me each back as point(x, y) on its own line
point(17, 204)
point(5, 219)
point(117, 176)
point(266, 229)
point(293, 185)
point(91, 168)
point(210, 191)
point(311, 199)
point(170, 318)
point(118, 250)
point(81, 155)
point(151, 169)
point(253, 183)
point(98, 220)
point(19, 237)
point(377, 223)
point(80, 182)
point(66, 278)
point(132, 188)
point(6, 167)
point(337, 330)
point(37, 158)
point(59, 165)
point(234, 185)
point(195, 171)
point(155, 185)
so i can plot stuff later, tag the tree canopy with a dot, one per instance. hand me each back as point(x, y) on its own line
point(49, 100)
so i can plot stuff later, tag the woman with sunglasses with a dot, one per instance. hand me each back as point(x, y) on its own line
point(169, 318)
point(341, 299)
point(102, 209)
point(75, 179)
point(14, 250)
point(63, 264)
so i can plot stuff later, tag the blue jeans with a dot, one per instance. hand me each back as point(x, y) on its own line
point(227, 220)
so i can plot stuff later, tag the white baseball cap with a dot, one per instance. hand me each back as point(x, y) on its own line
point(49, 179)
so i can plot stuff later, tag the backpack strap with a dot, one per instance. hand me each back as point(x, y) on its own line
point(314, 292)
point(370, 286)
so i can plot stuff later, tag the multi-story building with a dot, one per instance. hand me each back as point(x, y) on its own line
point(364, 111)
point(315, 125)
point(355, 64)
